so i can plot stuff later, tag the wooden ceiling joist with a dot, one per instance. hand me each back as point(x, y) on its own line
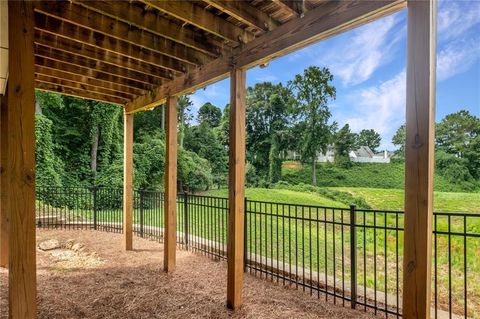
point(245, 13)
point(293, 7)
point(129, 75)
point(330, 19)
point(149, 21)
point(113, 88)
point(74, 69)
point(203, 19)
point(92, 52)
point(80, 86)
point(50, 19)
point(78, 93)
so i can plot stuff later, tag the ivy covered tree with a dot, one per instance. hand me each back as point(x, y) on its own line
point(267, 123)
point(313, 90)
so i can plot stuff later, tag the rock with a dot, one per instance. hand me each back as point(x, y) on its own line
point(69, 243)
point(49, 244)
point(77, 247)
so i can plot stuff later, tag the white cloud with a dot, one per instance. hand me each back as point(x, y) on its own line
point(457, 57)
point(381, 107)
point(355, 59)
point(455, 18)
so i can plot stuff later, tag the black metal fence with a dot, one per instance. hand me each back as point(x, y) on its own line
point(348, 256)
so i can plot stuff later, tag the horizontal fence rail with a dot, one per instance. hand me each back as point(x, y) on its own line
point(348, 256)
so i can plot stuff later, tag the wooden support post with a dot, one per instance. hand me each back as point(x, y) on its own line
point(236, 189)
point(128, 180)
point(4, 219)
point(419, 158)
point(170, 210)
point(21, 161)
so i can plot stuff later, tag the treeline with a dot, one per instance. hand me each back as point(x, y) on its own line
point(79, 142)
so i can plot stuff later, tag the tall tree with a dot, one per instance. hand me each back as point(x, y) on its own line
point(399, 140)
point(459, 134)
point(210, 114)
point(344, 142)
point(313, 89)
point(184, 105)
point(369, 138)
point(268, 116)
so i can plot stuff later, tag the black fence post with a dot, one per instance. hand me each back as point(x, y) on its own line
point(95, 208)
point(353, 257)
point(245, 239)
point(185, 218)
point(141, 194)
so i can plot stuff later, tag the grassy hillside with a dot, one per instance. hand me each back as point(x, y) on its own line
point(372, 175)
point(393, 199)
point(282, 196)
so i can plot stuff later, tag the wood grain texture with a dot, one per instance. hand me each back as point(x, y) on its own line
point(328, 20)
point(151, 22)
point(419, 158)
point(236, 188)
point(128, 181)
point(112, 88)
point(203, 19)
point(246, 13)
point(84, 94)
point(170, 200)
point(4, 218)
point(21, 162)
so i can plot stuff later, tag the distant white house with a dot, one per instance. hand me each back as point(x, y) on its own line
point(362, 155)
point(365, 155)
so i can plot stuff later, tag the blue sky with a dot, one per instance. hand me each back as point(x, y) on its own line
point(368, 65)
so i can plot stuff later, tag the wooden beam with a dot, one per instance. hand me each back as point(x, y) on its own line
point(81, 86)
point(128, 180)
point(112, 88)
point(90, 37)
point(156, 63)
point(236, 188)
point(78, 93)
point(203, 19)
point(330, 19)
point(419, 158)
point(4, 218)
point(97, 65)
point(170, 210)
point(245, 13)
point(293, 7)
point(153, 23)
point(91, 73)
point(21, 162)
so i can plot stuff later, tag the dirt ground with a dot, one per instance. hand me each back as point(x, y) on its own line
point(87, 275)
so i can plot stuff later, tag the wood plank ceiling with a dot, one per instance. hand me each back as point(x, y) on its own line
point(115, 51)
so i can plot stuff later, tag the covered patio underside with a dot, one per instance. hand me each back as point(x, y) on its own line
point(142, 54)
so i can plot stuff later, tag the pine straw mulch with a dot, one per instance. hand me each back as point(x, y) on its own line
point(100, 280)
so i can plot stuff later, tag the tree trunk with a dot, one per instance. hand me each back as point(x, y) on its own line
point(314, 172)
point(94, 151)
point(38, 108)
point(162, 124)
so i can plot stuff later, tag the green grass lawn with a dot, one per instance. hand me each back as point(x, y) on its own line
point(281, 196)
point(394, 199)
